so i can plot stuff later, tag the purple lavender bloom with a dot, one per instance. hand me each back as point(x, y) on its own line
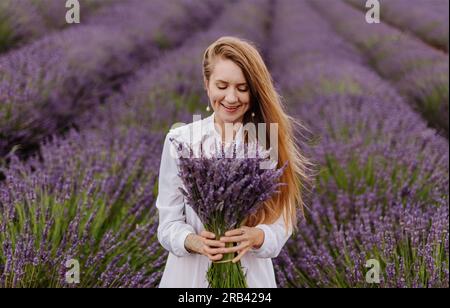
point(23, 21)
point(89, 194)
point(382, 188)
point(428, 19)
point(224, 189)
point(417, 61)
point(47, 85)
point(227, 187)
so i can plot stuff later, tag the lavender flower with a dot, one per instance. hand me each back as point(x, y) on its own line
point(382, 187)
point(416, 60)
point(47, 85)
point(89, 194)
point(426, 19)
point(224, 190)
point(382, 190)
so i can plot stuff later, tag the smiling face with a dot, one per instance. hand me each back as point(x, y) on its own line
point(228, 92)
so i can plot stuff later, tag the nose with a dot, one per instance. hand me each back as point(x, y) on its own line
point(231, 97)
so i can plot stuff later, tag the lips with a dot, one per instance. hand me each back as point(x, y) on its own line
point(230, 109)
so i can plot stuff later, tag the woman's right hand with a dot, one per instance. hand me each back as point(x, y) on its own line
point(205, 244)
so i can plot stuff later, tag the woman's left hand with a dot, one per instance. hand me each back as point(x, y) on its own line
point(246, 237)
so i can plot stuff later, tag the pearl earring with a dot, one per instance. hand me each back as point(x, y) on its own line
point(253, 114)
point(208, 108)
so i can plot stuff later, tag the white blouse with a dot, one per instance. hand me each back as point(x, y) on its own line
point(177, 220)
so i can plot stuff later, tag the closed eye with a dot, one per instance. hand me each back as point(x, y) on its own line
point(240, 90)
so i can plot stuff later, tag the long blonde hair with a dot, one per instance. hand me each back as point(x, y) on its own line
point(267, 105)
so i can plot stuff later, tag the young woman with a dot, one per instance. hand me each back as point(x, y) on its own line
point(240, 91)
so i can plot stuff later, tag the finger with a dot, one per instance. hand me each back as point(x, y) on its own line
point(212, 251)
point(241, 254)
point(230, 239)
point(214, 243)
point(234, 249)
point(234, 232)
point(215, 257)
point(208, 234)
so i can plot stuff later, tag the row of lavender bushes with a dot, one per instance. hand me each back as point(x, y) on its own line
point(45, 86)
point(382, 183)
point(419, 71)
point(22, 21)
point(382, 190)
point(91, 195)
point(428, 19)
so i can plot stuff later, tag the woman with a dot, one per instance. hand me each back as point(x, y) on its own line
point(240, 91)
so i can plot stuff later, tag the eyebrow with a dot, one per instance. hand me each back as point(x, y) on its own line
point(239, 84)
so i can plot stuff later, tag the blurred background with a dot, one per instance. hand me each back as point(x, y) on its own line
point(84, 109)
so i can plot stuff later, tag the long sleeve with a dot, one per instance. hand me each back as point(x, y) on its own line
point(172, 228)
point(275, 237)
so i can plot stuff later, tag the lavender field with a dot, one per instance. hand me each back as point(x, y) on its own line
point(84, 109)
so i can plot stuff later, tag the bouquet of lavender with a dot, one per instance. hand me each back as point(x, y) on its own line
point(224, 189)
